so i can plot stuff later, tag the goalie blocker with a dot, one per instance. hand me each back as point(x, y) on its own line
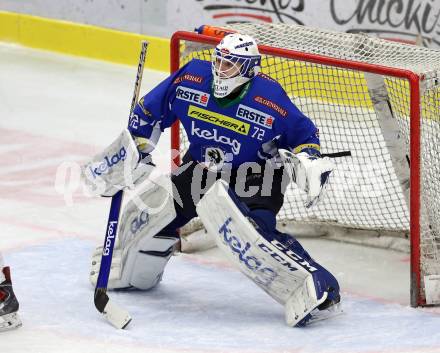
point(275, 261)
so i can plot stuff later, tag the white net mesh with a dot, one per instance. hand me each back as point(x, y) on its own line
point(368, 190)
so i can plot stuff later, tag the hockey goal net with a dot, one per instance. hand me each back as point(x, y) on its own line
point(377, 99)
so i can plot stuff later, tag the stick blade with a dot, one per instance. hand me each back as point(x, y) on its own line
point(117, 316)
point(114, 314)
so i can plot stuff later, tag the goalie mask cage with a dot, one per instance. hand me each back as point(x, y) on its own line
point(378, 99)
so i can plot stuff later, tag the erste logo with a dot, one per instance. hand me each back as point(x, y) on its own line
point(192, 95)
point(255, 116)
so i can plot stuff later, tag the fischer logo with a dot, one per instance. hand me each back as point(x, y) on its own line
point(192, 95)
point(110, 235)
point(108, 162)
point(264, 275)
point(214, 135)
point(219, 120)
point(255, 116)
point(139, 222)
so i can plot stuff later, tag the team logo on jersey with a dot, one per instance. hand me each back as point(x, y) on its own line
point(219, 120)
point(271, 105)
point(188, 77)
point(192, 95)
point(214, 158)
point(255, 116)
point(214, 135)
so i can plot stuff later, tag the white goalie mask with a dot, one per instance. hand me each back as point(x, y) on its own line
point(235, 61)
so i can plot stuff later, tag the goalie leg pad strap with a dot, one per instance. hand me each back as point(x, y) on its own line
point(263, 257)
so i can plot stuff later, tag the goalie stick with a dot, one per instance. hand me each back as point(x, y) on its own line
point(116, 315)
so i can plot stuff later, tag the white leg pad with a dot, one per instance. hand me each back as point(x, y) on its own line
point(302, 302)
point(281, 273)
point(140, 255)
point(149, 260)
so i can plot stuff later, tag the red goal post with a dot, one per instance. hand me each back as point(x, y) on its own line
point(415, 80)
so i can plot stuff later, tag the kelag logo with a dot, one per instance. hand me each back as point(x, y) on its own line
point(215, 136)
point(108, 162)
point(110, 236)
point(192, 95)
point(264, 275)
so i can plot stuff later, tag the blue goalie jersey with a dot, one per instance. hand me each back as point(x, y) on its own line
point(249, 128)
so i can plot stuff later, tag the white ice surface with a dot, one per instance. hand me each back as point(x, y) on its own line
point(56, 108)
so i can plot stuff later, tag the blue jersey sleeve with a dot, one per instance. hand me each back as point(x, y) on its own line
point(152, 112)
point(301, 134)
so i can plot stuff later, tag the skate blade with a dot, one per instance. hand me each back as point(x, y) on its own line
point(9, 322)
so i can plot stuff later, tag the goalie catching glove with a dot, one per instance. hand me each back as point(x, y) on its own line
point(117, 167)
point(310, 173)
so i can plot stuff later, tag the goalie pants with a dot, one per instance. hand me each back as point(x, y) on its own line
point(192, 180)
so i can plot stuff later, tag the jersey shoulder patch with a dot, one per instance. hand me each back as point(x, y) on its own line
point(271, 95)
point(196, 72)
point(194, 82)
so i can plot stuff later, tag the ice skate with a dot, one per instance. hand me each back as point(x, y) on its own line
point(9, 318)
